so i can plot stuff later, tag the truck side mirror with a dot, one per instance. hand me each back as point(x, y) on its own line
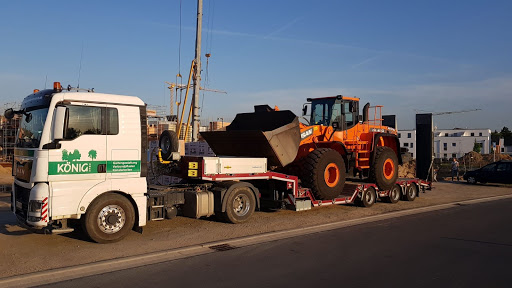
point(58, 123)
point(304, 110)
point(9, 113)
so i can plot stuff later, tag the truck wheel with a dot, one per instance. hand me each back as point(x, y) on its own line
point(240, 205)
point(368, 198)
point(109, 218)
point(394, 194)
point(324, 173)
point(384, 170)
point(410, 193)
point(168, 143)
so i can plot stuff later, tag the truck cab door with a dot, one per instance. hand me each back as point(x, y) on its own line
point(79, 164)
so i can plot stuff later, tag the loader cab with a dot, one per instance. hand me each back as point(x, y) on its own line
point(340, 112)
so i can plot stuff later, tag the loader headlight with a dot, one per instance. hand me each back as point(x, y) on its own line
point(35, 206)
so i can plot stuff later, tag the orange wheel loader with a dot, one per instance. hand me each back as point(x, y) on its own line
point(335, 141)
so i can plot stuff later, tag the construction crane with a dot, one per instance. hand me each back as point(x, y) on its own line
point(175, 86)
point(447, 112)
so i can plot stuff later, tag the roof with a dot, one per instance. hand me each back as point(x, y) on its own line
point(101, 98)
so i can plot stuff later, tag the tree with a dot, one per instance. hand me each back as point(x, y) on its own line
point(477, 147)
point(506, 134)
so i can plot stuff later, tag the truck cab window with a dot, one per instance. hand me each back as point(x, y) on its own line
point(82, 120)
point(112, 121)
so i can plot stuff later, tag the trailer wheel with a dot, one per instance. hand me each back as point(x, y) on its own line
point(394, 194)
point(109, 218)
point(410, 193)
point(324, 173)
point(384, 170)
point(240, 205)
point(168, 143)
point(368, 198)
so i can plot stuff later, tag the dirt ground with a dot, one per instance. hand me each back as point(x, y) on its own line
point(22, 251)
point(5, 176)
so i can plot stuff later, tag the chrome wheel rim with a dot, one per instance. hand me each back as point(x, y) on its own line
point(111, 219)
point(241, 205)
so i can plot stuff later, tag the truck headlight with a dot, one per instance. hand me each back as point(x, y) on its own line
point(35, 206)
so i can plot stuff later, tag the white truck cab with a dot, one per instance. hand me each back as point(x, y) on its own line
point(73, 146)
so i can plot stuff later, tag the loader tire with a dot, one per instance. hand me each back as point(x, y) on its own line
point(324, 173)
point(168, 144)
point(384, 170)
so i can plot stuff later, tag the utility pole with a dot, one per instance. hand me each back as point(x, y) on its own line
point(197, 72)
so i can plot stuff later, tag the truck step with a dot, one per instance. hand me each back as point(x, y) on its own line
point(62, 230)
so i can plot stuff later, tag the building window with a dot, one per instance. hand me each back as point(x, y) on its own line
point(480, 134)
point(445, 147)
point(412, 155)
point(399, 135)
point(409, 135)
point(412, 145)
point(406, 144)
point(454, 144)
point(454, 155)
point(445, 155)
point(472, 134)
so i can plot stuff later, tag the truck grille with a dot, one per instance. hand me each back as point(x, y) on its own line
point(22, 195)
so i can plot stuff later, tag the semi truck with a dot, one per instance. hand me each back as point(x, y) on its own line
point(81, 159)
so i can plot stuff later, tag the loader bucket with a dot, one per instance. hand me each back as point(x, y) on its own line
point(274, 135)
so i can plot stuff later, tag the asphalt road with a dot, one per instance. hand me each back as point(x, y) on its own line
point(464, 246)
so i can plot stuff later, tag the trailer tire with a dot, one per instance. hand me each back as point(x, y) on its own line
point(324, 173)
point(410, 193)
point(109, 218)
point(240, 205)
point(384, 170)
point(368, 198)
point(168, 143)
point(394, 194)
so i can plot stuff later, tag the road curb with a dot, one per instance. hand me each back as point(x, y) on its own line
point(84, 270)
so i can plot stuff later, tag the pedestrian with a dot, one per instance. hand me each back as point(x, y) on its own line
point(455, 169)
point(436, 169)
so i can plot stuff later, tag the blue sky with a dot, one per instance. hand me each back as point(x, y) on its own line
point(406, 55)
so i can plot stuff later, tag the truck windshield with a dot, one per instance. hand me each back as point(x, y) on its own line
point(31, 128)
point(321, 110)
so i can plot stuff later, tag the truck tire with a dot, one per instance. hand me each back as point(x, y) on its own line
point(368, 198)
point(109, 218)
point(410, 193)
point(394, 194)
point(324, 173)
point(384, 170)
point(240, 205)
point(168, 144)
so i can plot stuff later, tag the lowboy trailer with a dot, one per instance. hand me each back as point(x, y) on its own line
point(80, 158)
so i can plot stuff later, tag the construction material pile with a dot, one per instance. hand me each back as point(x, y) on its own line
point(479, 160)
point(407, 169)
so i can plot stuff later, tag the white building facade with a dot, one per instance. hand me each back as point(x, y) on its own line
point(450, 143)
